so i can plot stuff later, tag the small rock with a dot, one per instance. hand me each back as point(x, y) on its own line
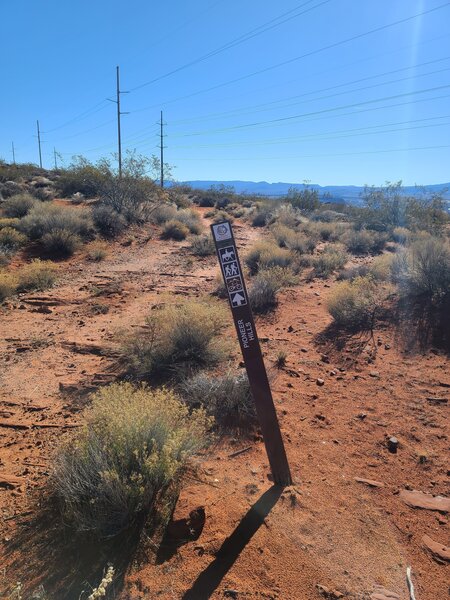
point(230, 593)
point(387, 346)
point(303, 349)
point(290, 329)
point(392, 445)
point(381, 593)
point(439, 551)
point(417, 499)
point(320, 381)
point(369, 482)
point(374, 373)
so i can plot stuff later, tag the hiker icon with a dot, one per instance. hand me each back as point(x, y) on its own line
point(231, 269)
point(227, 254)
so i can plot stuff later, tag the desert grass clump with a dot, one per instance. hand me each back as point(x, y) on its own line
point(282, 234)
point(18, 206)
point(37, 275)
point(401, 235)
point(178, 339)
point(381, 267)
point(11, 239)
point(108, 221)
point(222, 215)
point(135, 444)
point(261, 217)
point(97, 252)
point(353, 304)
point(227, 398)
point(264, 255)
point(60, 243)
point(203, 245)
point(327, 262)
point(174, 230)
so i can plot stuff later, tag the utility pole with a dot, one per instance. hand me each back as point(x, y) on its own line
point(54, 157)
point(13, 153)
point(117, 101)
point(161, 147)
point(119, 141)
point(39, 143)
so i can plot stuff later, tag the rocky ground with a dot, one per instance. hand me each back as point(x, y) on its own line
point(348, 527)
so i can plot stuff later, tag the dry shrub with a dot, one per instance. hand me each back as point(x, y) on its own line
point(227, 398)
point(108, 221)
point(174, 230)
point(401, 235)
point(60, 243)
point(177, 339)
point(36, 275)
point(330, 260)
point(221, 215)
point(134, 446)
point(352, 304)
point(423, 269)
point(266, 284)
point(11, 239)
point(282, 234)
point(364, 242)
point(9, 222)
point(8, 285)
point(287, 215)
point(45, 218)
point(262, 217)
point(203, 246)
point(264, 255)
point(300, 243)
point(191, 219)
point(381, 267)
point(163, 213)
point(18, 206)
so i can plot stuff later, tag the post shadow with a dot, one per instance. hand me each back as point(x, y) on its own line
point(230, 550)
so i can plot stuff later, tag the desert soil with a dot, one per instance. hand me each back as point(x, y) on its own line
point(338, 401)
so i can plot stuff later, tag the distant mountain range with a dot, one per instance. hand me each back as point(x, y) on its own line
point(350, 194)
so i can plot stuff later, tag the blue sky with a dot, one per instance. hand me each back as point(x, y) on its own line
point(297, 90)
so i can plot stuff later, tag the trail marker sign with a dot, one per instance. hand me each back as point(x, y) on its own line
point(251, 350)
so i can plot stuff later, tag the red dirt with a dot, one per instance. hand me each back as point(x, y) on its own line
point(331, 528)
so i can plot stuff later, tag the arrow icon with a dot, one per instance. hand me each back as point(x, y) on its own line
point(238, 299)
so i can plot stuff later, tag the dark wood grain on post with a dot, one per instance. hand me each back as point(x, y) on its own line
point(251, 350)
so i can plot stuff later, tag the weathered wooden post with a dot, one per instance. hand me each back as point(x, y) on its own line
point(251, 351)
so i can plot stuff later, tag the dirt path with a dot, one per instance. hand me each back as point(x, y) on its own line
point(327, 530)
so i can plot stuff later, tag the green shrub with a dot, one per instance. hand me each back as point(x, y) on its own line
point(300, 243)
point(44, 218)
point(264, 255)
point(174, 230)
point(37, 275)
point(227, 398)
point(60, 243)
point(353, 304)
point(221, 215)
point(108, 221)
point(8, 285)
point(203, 246)
point(18, 206)
point(177, 339)
point(121, 465)
point(364, 242)
point(328, 261)
point(265, 285)
point(423, 269)
point(12, 239)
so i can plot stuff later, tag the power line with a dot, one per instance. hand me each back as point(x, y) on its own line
point(86, 113)
point(319, 112)
point(39, 144)
point(312, 52)
point(334, 155)
point(239, 40)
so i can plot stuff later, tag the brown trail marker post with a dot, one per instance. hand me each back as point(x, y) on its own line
point(251, 351)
